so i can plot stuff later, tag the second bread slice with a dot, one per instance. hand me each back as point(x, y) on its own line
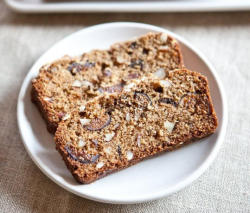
point(65, 84)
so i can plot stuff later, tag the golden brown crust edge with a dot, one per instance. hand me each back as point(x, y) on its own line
point(210, 102)
point(180, 56)
point(41, 105)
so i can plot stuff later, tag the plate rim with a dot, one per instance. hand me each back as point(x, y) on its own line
point(191, 177)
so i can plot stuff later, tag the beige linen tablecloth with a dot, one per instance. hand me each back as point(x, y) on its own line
point(223, 37)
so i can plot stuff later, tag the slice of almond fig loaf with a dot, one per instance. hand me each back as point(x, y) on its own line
point(115, 131)
point(67, 83)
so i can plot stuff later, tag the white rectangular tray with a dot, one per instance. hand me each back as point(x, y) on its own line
point(41, 6)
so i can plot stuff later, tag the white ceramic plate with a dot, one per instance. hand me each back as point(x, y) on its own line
point(148, 180)
point(42, 6)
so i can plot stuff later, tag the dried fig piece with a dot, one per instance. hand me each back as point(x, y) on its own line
point(112, 89)
point(75, 68)
point(94, 158)
point(119, 151)
point(142, 99)
point(134, 63)
point(133, 76)
point(70, 153)
point(82, 157)
point(99, 123)
point(133, 45)
point(88, 159)
point(168, 101)
point(107, 73)
point(89, 64)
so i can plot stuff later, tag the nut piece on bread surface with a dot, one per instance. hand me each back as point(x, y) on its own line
point(124, 128)
point(70, 82)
